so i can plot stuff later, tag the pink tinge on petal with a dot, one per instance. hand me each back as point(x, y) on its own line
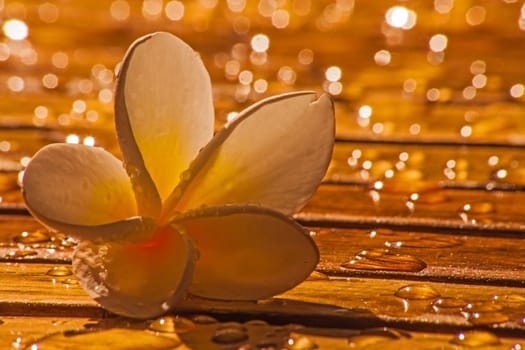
point(141, 279)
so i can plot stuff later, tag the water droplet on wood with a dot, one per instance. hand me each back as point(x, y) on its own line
point(479, 208)
point(299, 342)
point(378, 259)
point(172, 324)
point(432, 196)
point(446, 304)
point(21, 253)
point(475, 339)
point(230, 333)
point(482, 307)
point(70, 282)
point(486, 318)
point(203, 319)
point(32, 237)
point(114, 338)
point(376, 335)
point(423, 242)
point(509, 299)
point(59, 271)
point(417, 292)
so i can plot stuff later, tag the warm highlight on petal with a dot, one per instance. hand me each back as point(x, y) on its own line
point(274, 155)
point(138, 280)
point(164, 114)
point(247, 253)
point(77, 185)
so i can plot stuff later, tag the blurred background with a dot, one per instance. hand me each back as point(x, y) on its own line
point(442, 72)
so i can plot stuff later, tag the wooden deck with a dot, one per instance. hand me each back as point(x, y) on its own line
point(420, 220)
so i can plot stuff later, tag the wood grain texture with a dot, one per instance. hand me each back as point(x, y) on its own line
point(360, 205)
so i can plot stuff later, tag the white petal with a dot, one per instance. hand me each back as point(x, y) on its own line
point(274, 155)
point(138, 280)
point(164, 114)
point(247, 253)
point(75, 186)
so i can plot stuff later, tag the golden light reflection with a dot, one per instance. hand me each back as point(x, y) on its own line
point(15, 83)
point(15, 29)
point(48, 12)
point(517, 90)
point(382, 57)
point(333, 73)
point(260, 43)
point(174, 10)
point(73, 139)
point(438, 42)
point(401, 17)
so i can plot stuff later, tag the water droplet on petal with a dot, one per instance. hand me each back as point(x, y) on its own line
point(57, 271)
point(475, 339)
point(230, 333)
point(172, 324)
point(417, 292)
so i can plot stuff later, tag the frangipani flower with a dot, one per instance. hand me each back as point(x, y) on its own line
point(186, 211)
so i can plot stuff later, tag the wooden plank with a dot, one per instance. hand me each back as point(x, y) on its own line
point(421, 255)
point(28, 289)
point(436, 256)
point(434, 208)
point(459, 166)
point(188, 333)
point(483, 212)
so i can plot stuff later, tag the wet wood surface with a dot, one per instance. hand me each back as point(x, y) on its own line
point(419, 220)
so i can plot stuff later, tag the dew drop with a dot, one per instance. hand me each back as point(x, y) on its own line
point(185, 175)
point(379, 259)
point(203, 319)
point(299, 342)
point(376, 335)
point(430, 197)
point(255, 323)
point(509, 298)
point(172, 324)
point(425, 242)
point(21, 253)
point(446, 304)
point(70, 282)
point(230, 333)
point(417, 292)
point(59, 271)
point(475, 339)
point(486, 318)
point(482, 307)
point(32, 237)
point(479, 208)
